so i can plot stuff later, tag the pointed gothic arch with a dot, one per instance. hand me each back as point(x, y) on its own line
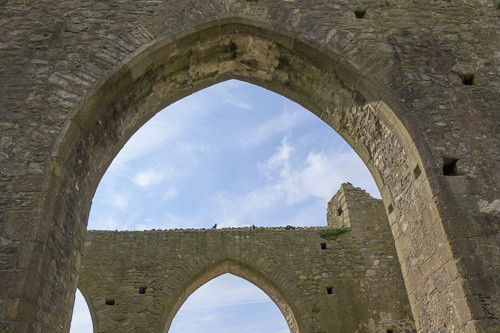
point(389, 77)
point(239, 269)
point(371, 120)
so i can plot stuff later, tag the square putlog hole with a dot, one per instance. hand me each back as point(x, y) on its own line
point(467, 79)
point(142, 290)
point(109, 302)
point(360, 13)
point(323, 246)
point(329, 290)
point(450, 166)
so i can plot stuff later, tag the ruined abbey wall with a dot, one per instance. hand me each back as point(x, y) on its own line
point(412, 86)
point(350, 283)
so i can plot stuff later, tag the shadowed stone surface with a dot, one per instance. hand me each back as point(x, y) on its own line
point(412, 86)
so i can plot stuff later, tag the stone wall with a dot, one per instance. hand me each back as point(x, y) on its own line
point(412, 86)
point(351, 283)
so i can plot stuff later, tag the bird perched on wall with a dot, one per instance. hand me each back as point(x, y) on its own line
point(215, 226)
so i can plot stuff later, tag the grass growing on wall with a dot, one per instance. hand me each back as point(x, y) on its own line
point(332, 233)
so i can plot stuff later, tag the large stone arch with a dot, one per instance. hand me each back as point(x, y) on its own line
point(378, 128)
point(58, 140)
point(251, 274)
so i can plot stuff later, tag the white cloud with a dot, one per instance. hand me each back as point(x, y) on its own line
point(148, 178)
point(293, 182)
point(319, 176)
point(279, 162)
point(315, 178)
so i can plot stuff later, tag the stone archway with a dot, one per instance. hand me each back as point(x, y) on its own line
point(357, 107)
point(93, 92)
point(244, 272)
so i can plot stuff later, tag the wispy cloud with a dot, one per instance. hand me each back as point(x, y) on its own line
point(229, 223)
point(167, 221)
point(292, 181)
point(148, 178)
point(110, 223)
point(278, 163)
point(175, 127)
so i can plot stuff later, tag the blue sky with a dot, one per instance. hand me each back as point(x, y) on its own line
point(232, 154)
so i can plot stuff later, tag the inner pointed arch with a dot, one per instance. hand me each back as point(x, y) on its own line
point(240, 270)
point(228, 303)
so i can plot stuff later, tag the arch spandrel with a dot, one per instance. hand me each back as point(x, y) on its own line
point(246, 272)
